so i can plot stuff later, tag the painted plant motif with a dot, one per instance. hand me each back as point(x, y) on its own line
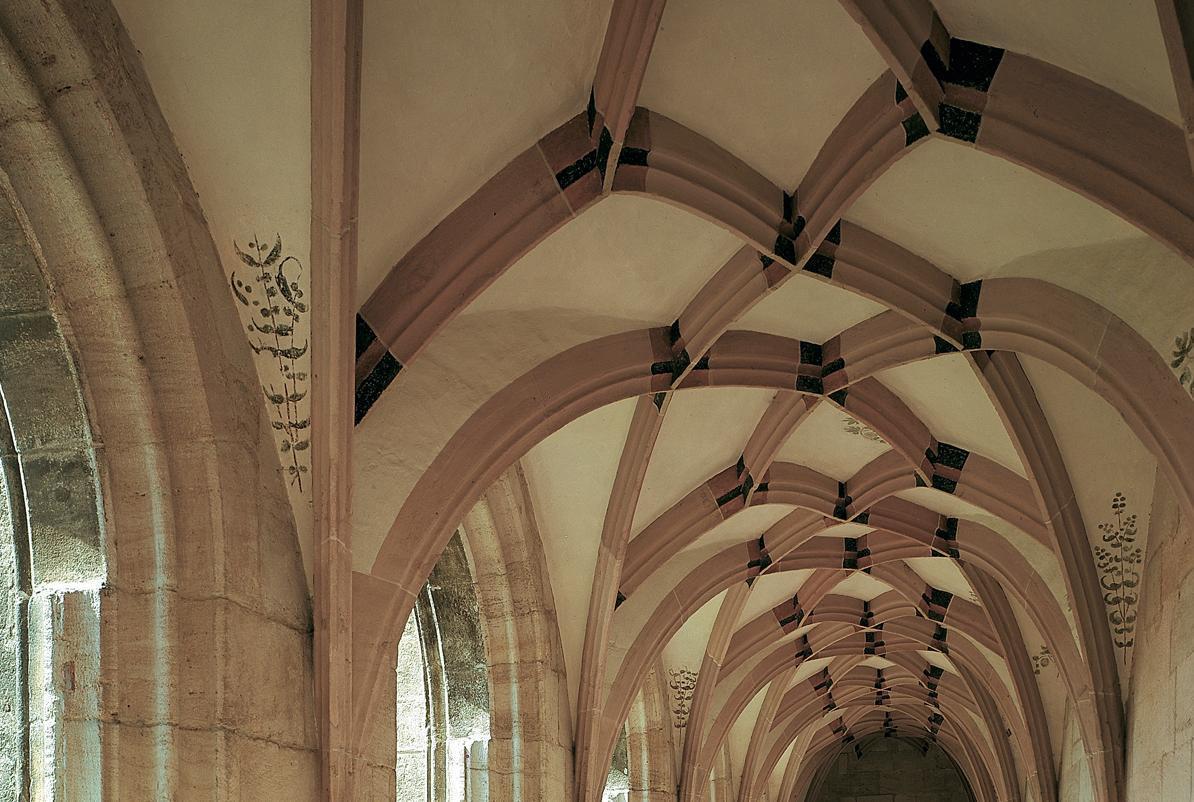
point(1118, 559)
point(853, 426)
point(1042, 660)
point(272, 298)
point(683, 684)
point(1183, 348)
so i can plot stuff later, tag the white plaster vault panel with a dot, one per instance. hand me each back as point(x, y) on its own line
point(1113, 477)
point(686, 649)
point(824, 442)
point(766, 80)
point(739, 735)
point(945, 393)
point(451, 91)
point(472, 358)
point(599, 285)
point(704, 432)
point(570, 475)
point(970, 213)
point(808, 309)
point(771, 589)
point(629, 256)
point(943, 574)
point(749, 524)
point(978, 216)
point(858, 585)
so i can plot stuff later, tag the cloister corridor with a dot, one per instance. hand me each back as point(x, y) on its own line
point(597, 400)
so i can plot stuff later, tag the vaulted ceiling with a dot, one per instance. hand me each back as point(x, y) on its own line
point(841, 342)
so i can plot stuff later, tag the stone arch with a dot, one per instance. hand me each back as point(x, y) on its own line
point(47, 423)
point(199, 640)
point(733, 361)
point(531, 722)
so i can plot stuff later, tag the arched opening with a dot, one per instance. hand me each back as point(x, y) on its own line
point(897, 767)
point(443, 689)
point(617, 781)
point(482, 714)
point(52, 550)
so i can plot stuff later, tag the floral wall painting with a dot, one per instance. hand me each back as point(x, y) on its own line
point(1183, 348)
point(683, 684)
point(856, 427)
point(1041, 660)
point(1118, 560)
point(270, 294)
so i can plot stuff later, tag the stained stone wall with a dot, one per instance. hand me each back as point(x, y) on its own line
point(891, 770)
point(1074, 780)
point(650, 749)
point(1160, 715)
point(13, 609)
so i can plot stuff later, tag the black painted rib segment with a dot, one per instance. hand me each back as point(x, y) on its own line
point(636, 157)
point(972, 64)
point(604, 145)
point(785, 248)
point(369, 390)
point(914, 129)
point(959, 123)
point(820, 264)
point(936, 64)
point(365, 336)
point(577, 170)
